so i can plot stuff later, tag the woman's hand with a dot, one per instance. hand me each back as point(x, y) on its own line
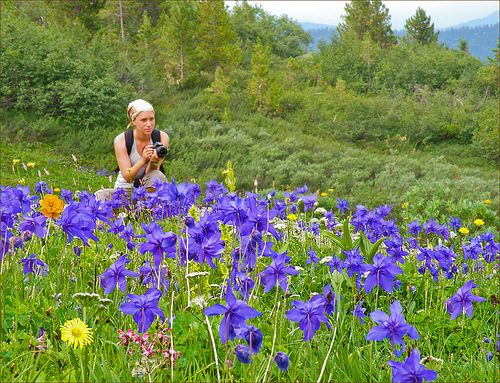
point(147, 153)
point(155, 161)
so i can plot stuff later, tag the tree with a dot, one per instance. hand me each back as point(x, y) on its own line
point(463, 45)
point(177, 40)
point(420, 29)
point(367, 17)
point(284, 36)
point(217, 38)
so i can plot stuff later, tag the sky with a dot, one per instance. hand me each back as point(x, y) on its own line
point(443, 13)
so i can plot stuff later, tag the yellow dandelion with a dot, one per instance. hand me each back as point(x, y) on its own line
point(76, 333)
point(15, 162)
point(405, 205)
point(463, 230)
point(30, 165)
point(21, 181)
point(323, 194)
point(292, 217)
point(57, 190)
point(487, 201)
point(478, 222)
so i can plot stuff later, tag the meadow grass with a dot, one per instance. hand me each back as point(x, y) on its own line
point(454, 348)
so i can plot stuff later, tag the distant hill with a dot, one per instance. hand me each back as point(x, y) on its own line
point(481, 39)
point(480, 34)
point(488, 20)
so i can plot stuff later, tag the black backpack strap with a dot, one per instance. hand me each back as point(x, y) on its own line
point(156, 136)
point(129, 140)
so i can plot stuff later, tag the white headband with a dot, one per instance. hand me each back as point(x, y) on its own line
point(137, 107)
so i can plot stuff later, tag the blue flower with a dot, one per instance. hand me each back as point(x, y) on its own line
point(313, 258)
point(32, 265)
point(359, 311)
point(154, 277)
point(411, 370)
point(115, 275)
point(158, 243)
point(382, 273)
point(461, 302)
point(309, 201)
point(252, 335)
point(309, 315)
point(243, 354)
point(277, 272)
point(282, 360)
point(36, 224)
point(235, 314)
point(392, 326)
point(144, 308)
point(342, 205)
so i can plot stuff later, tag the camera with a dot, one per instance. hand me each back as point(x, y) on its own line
point(161, 150)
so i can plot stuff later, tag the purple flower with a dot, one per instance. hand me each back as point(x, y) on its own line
point(342, 205)
point(77, 220)
point(489, 356)
point(354, 262)
point(143, 308)
point(36, 224)
point(309, 201)
point(243, 354)
point(335, 264)
point(393, 327)
point(414, 228)
point(309, 315)
point(252, 335)
point(158, 243)
point(282, 360)
point(462, 300)
point(32, 265)
point(359, 311)
point(411, 370)
point(115, 275)
point(235, 314)
point(209, 248)
point(277, 272)
point(313, 258)
point(382, 273)
point(455, 223)
point(154, 277)
point(301, 190)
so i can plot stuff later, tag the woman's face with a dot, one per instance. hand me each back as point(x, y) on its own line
point(145, 122)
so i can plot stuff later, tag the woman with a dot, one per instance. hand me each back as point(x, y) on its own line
point(138, 158)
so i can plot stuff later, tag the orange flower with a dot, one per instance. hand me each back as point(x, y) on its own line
point(52, 206)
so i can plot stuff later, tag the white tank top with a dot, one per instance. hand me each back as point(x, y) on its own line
point(135, 157)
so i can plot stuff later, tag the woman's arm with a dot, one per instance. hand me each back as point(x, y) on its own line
point(156, 161)
point(122, 158)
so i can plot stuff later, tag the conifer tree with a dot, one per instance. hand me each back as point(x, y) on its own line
point(260, 80)
point(216, 36)
point(177, 40)
point(420, 29)
point(367, 17)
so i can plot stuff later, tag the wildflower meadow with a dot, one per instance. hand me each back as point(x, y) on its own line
point(180, 284)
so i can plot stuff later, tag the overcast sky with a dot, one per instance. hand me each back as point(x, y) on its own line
point(443, 13)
